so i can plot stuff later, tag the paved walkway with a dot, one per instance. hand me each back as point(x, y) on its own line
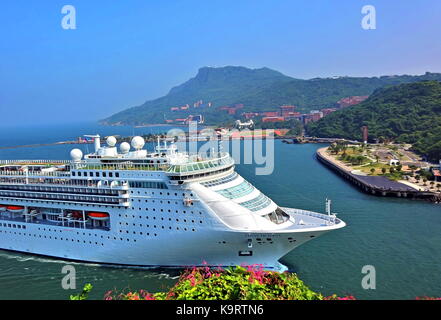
point(380, 182)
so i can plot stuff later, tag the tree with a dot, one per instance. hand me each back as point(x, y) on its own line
point(383, 170)
point(372, 171)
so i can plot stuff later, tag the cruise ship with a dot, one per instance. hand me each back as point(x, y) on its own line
point(123, 205)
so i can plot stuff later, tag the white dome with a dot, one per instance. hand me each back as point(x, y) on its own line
point(111, 141)
point(124, 147)
point(76, 154)
point(138, 142)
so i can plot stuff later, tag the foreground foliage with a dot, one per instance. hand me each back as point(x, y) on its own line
point(239, 283)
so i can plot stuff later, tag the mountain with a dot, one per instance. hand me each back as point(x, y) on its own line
point(406, 113)
point(257, 89)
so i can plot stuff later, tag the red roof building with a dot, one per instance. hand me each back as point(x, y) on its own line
point(271, 114)
point(290, 115)
point(273, 119)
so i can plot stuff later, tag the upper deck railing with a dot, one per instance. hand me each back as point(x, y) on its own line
point(192, 163)
point(34, 162)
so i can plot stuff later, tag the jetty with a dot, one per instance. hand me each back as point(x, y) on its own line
point(374, 185)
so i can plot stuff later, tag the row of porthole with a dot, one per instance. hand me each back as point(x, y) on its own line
point(73, 240)
point(157, 227)
point(154, 209)
point(161, 193)
point(162, 219)
point(48, 237)
point(160, 201)
point(78, 232)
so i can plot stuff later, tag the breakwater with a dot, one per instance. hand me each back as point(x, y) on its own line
point(375, 185)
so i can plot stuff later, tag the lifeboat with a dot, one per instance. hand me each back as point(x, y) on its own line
point(2, 207)
point(15, 209)
point(98, 215)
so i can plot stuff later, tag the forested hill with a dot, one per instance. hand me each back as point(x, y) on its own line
point(257, 89)
point(409, 113)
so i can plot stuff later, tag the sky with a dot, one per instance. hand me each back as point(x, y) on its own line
point(123, 53)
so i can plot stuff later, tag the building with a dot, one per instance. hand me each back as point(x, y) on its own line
point(273, 119)
point(270, 114)
point(285, 111)
point(195, 118)
point(231, 110)
point(316, 115)
point(327, 111)
point(365, 133)
point(291, 115)
point(249, 115)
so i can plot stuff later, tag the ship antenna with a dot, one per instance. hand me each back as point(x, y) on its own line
point(328, 206)
point(219, 143)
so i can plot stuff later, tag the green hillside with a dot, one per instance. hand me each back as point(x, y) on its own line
point(407, 113)
point(258, 89)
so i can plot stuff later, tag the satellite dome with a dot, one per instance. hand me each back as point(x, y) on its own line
point(124, 147)
point(111, 141)
point(76, 154)
point(138, 142)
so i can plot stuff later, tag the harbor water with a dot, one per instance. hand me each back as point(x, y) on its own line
point(401, 238)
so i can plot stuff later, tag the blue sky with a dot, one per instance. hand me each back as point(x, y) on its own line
point(126, 52)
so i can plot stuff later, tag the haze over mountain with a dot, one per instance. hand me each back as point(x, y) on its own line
point(257, 89)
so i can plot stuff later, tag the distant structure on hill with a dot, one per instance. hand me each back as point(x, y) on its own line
point(365, 134)
point(244, 125)
point(351, 101)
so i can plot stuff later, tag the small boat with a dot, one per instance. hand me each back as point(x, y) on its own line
point(15, 209)
point(2, 207)
point(98, 215)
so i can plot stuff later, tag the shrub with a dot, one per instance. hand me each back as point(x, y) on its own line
point(238, 283)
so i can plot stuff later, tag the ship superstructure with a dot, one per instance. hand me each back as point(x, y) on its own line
point(139, 208)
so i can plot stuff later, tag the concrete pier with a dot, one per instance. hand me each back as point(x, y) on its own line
point(374, 185)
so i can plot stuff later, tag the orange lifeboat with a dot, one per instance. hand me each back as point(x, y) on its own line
point(98, 215)
point(15, 209)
